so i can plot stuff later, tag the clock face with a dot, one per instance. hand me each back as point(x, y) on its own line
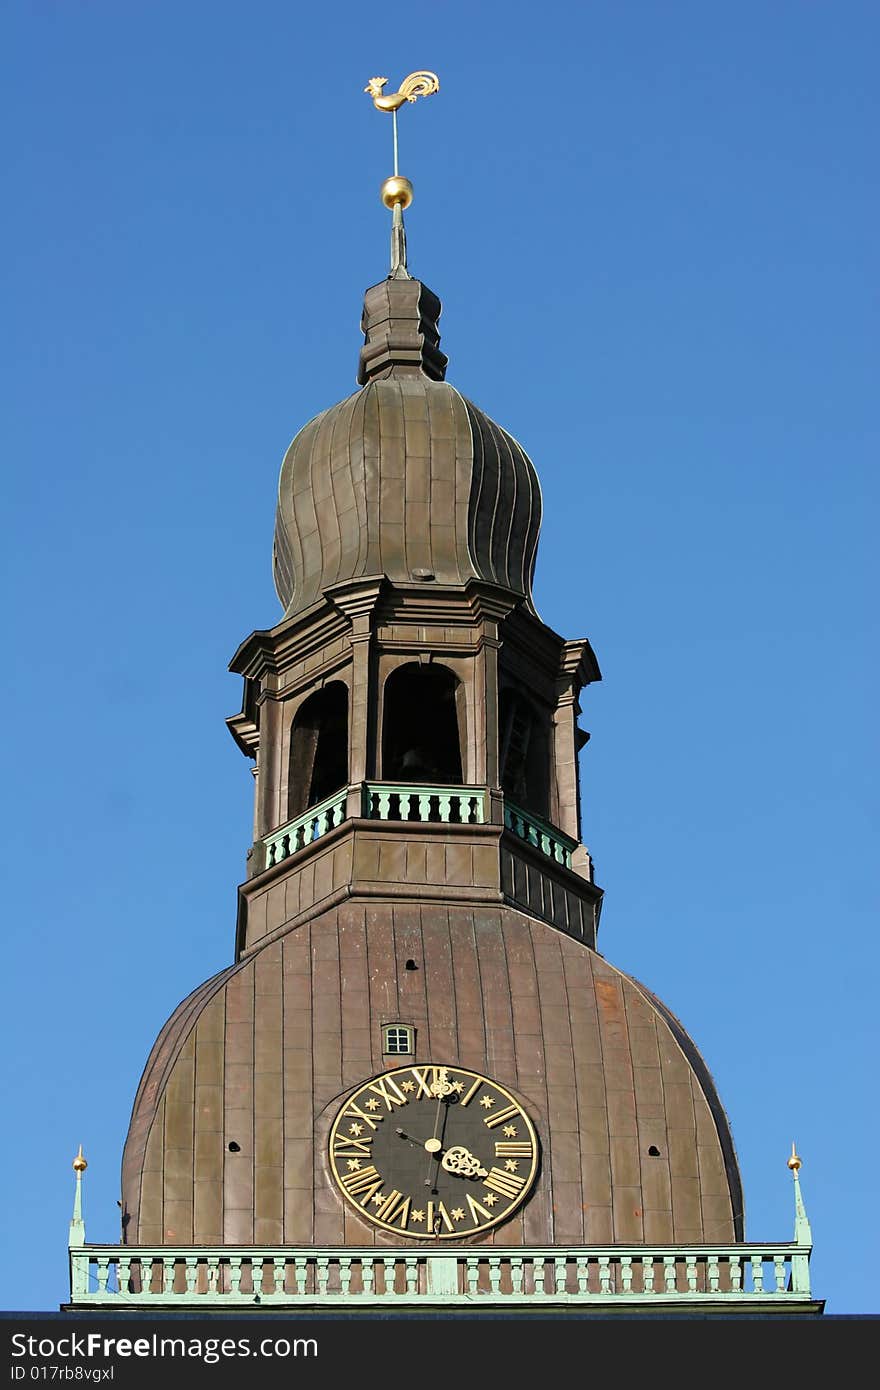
point(438, 1152)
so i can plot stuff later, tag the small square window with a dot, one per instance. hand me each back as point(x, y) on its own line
point(398, 1039)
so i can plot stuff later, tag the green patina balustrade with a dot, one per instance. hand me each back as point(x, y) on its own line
point(413, 802)
point(539, 833)
point(745, 1277)
point(392, 801)
point(301, 831)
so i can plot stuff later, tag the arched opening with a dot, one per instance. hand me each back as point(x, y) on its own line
point(318, 748)
point(524, 753)
point(421, 741)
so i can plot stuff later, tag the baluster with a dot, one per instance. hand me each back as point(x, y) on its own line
point(560, 1272)
point(123, 1266)
point(270, 853)
point(540, 1286)
point(714, 1273)
point(191, 1273)
point(168, 1274)
point(669, 1273)
point(648, 1274)
point(626, 1273)
point(604, 1274)
point(344, 1274)
point(322, 1265)
point(583, 1274)
point(757, 1273)
point(213, 1273)
point(412, 1274)
point(278, 1271)
point(390, 1267)
point(516, 1274)
point(368, 1273)
point(235, 1276)
point(445, 805)
point(299, 837)
point(423, 806)
point(314, 828)
point(779, 1271)
point(79, 1276)
point(542, 841)
point(473, 1273)
point(690, 1264)
point(383, 804)
point(103, 1272)
point(735, 1274)
point(495, 1274)
point(300, 1272)
point(479, 809)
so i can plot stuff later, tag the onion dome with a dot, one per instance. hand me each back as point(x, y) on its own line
point(407, 477)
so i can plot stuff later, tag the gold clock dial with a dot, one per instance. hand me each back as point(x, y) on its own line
point(433, 1151)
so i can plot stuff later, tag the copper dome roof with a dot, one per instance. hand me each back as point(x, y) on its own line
point(406, 477)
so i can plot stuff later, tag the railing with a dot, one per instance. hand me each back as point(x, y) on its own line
point(301, 831)
point(539, 833)
point(748, 1277)
point(442, 805)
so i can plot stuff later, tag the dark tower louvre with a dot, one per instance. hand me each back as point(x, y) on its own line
point(418, 1050)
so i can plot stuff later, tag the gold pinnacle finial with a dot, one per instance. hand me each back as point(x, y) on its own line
point(79, 1163)
point(794, 1162)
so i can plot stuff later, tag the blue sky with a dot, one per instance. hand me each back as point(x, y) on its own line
point(652, 226)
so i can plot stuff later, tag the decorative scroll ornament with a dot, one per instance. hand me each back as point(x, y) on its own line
point(461, 1161)
point(418, 84)
point(442, 1086)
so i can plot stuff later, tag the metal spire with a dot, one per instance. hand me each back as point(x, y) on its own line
point(77, 1225)
point(802, 1233)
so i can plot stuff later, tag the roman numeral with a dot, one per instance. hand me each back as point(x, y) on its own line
point(508, 1184)
point(437, 1212)
point(510, 1112)
point(395, 1206)
point(356, 1113)
point(362, 1184)
point(480, 1081)
point(478, 1214)
point(421, 1076)
point(344, 1147)
point(389, 1091)
point(512, 1148)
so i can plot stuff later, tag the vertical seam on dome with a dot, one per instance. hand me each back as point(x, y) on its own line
point(475, 489)
point(358, 414)
point(334, 436)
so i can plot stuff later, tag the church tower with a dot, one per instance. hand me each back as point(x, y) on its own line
point(419, 1077)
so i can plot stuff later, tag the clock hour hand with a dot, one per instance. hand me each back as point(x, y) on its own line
point(433, 1146)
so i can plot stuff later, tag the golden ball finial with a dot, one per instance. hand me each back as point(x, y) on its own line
point(397, 191)
point(794, 1162)
point(79, 1163)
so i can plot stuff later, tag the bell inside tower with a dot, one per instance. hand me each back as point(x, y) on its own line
point(421, 735)
point(318, 747)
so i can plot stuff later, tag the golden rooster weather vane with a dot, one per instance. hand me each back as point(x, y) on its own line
point(397, 191)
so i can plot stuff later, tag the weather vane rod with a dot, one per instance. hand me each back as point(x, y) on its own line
point(397, 191)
